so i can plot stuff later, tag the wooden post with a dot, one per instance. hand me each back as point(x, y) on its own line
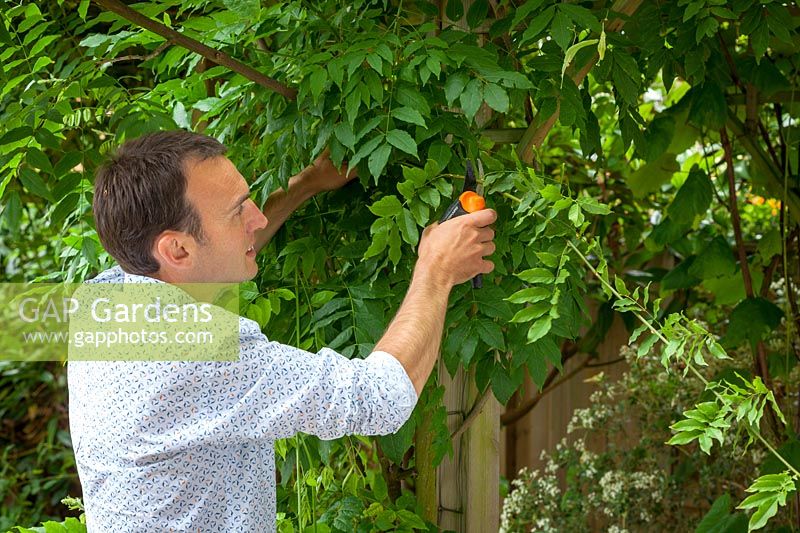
point(427, 495)
point(469, 482)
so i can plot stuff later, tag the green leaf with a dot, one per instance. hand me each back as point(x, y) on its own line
point(421, 213)
point(625, 84)
point(377, 161)
point(402, 140)
point(530, 295)
point(752, 320)
point(709, 109)
point(5, 38)
point(407, 189)
point(477, 13)
point(539, 329)
point(495, 97)
point(531, 312)
point(524, 10)
point(376, 62)
point(430, 197)
point(388, 206)
point(12, 212)
point(684, 438)
point(538, 24)
point(537, 368)
point(365, 149)
point(491, 333)
point(575, 216)
point(471, 98)
point(246, 9)
point(408, 228)
point(715, 261)
point(396, 445)
point(394, 245)
point(693, 197)
point(95, 40)
point(352, 103)
point(344, 132)
point(561, 30)
point(42, 62)
point(441, 153)
point(408, 114)
point(503, 386)
point(378, 244)
point(582, 16)
point(53, 527)
point(454, 10)
point(17, 134)
point(83, 7)
point(537, 275)
point(692, 9)
point(37, 159)
point(647, 345)
point(407, 517)
point(181, 116)
point(658, 137)
point(649, 178)
point(548, 350)
point(592, 206)
point(574, 49)
point(34, 183)
point(317, 81)
point(454, 86)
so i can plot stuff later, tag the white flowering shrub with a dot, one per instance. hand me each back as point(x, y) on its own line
point(634, 483)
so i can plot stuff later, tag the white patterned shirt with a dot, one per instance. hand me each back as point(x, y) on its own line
point(188, 446)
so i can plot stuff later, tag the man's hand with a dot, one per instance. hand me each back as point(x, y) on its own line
point(322, 175)
point(449, 253)
point(453, 252)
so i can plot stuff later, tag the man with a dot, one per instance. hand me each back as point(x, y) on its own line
point(188, 446)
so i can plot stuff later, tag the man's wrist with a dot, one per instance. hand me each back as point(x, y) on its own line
point(300, 185)
point(430, 275)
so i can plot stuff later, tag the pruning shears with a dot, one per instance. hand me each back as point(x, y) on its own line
point(470, 200)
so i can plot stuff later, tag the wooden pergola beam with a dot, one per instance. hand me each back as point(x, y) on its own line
point(213, 55)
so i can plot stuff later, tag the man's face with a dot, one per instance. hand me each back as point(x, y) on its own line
point(229, 219)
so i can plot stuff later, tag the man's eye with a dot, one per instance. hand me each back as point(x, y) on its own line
point(240, 209)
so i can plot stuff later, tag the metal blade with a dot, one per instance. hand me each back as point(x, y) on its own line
point(469, 179)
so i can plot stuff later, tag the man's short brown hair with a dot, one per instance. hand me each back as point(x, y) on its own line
point(140, 192)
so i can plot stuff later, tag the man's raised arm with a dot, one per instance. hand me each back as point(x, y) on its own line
point(449, 253)
point(319, 176)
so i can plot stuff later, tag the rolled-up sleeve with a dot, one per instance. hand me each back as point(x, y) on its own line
point(286, 390)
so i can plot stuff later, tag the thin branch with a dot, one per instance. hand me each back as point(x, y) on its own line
point(779, 117)
point(769, 271)
point(734, 208)
point(606, 363)
point(220, 58)
point(761, 98)
point(787, 277)
point(473, 414)
point(163, 46)
point(765, 136)
point(761, 367)
point(513, 416)
point(729, 61)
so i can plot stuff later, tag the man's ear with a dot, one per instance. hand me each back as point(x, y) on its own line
point(174, 250)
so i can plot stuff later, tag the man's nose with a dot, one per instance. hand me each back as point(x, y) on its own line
point(258, 220)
